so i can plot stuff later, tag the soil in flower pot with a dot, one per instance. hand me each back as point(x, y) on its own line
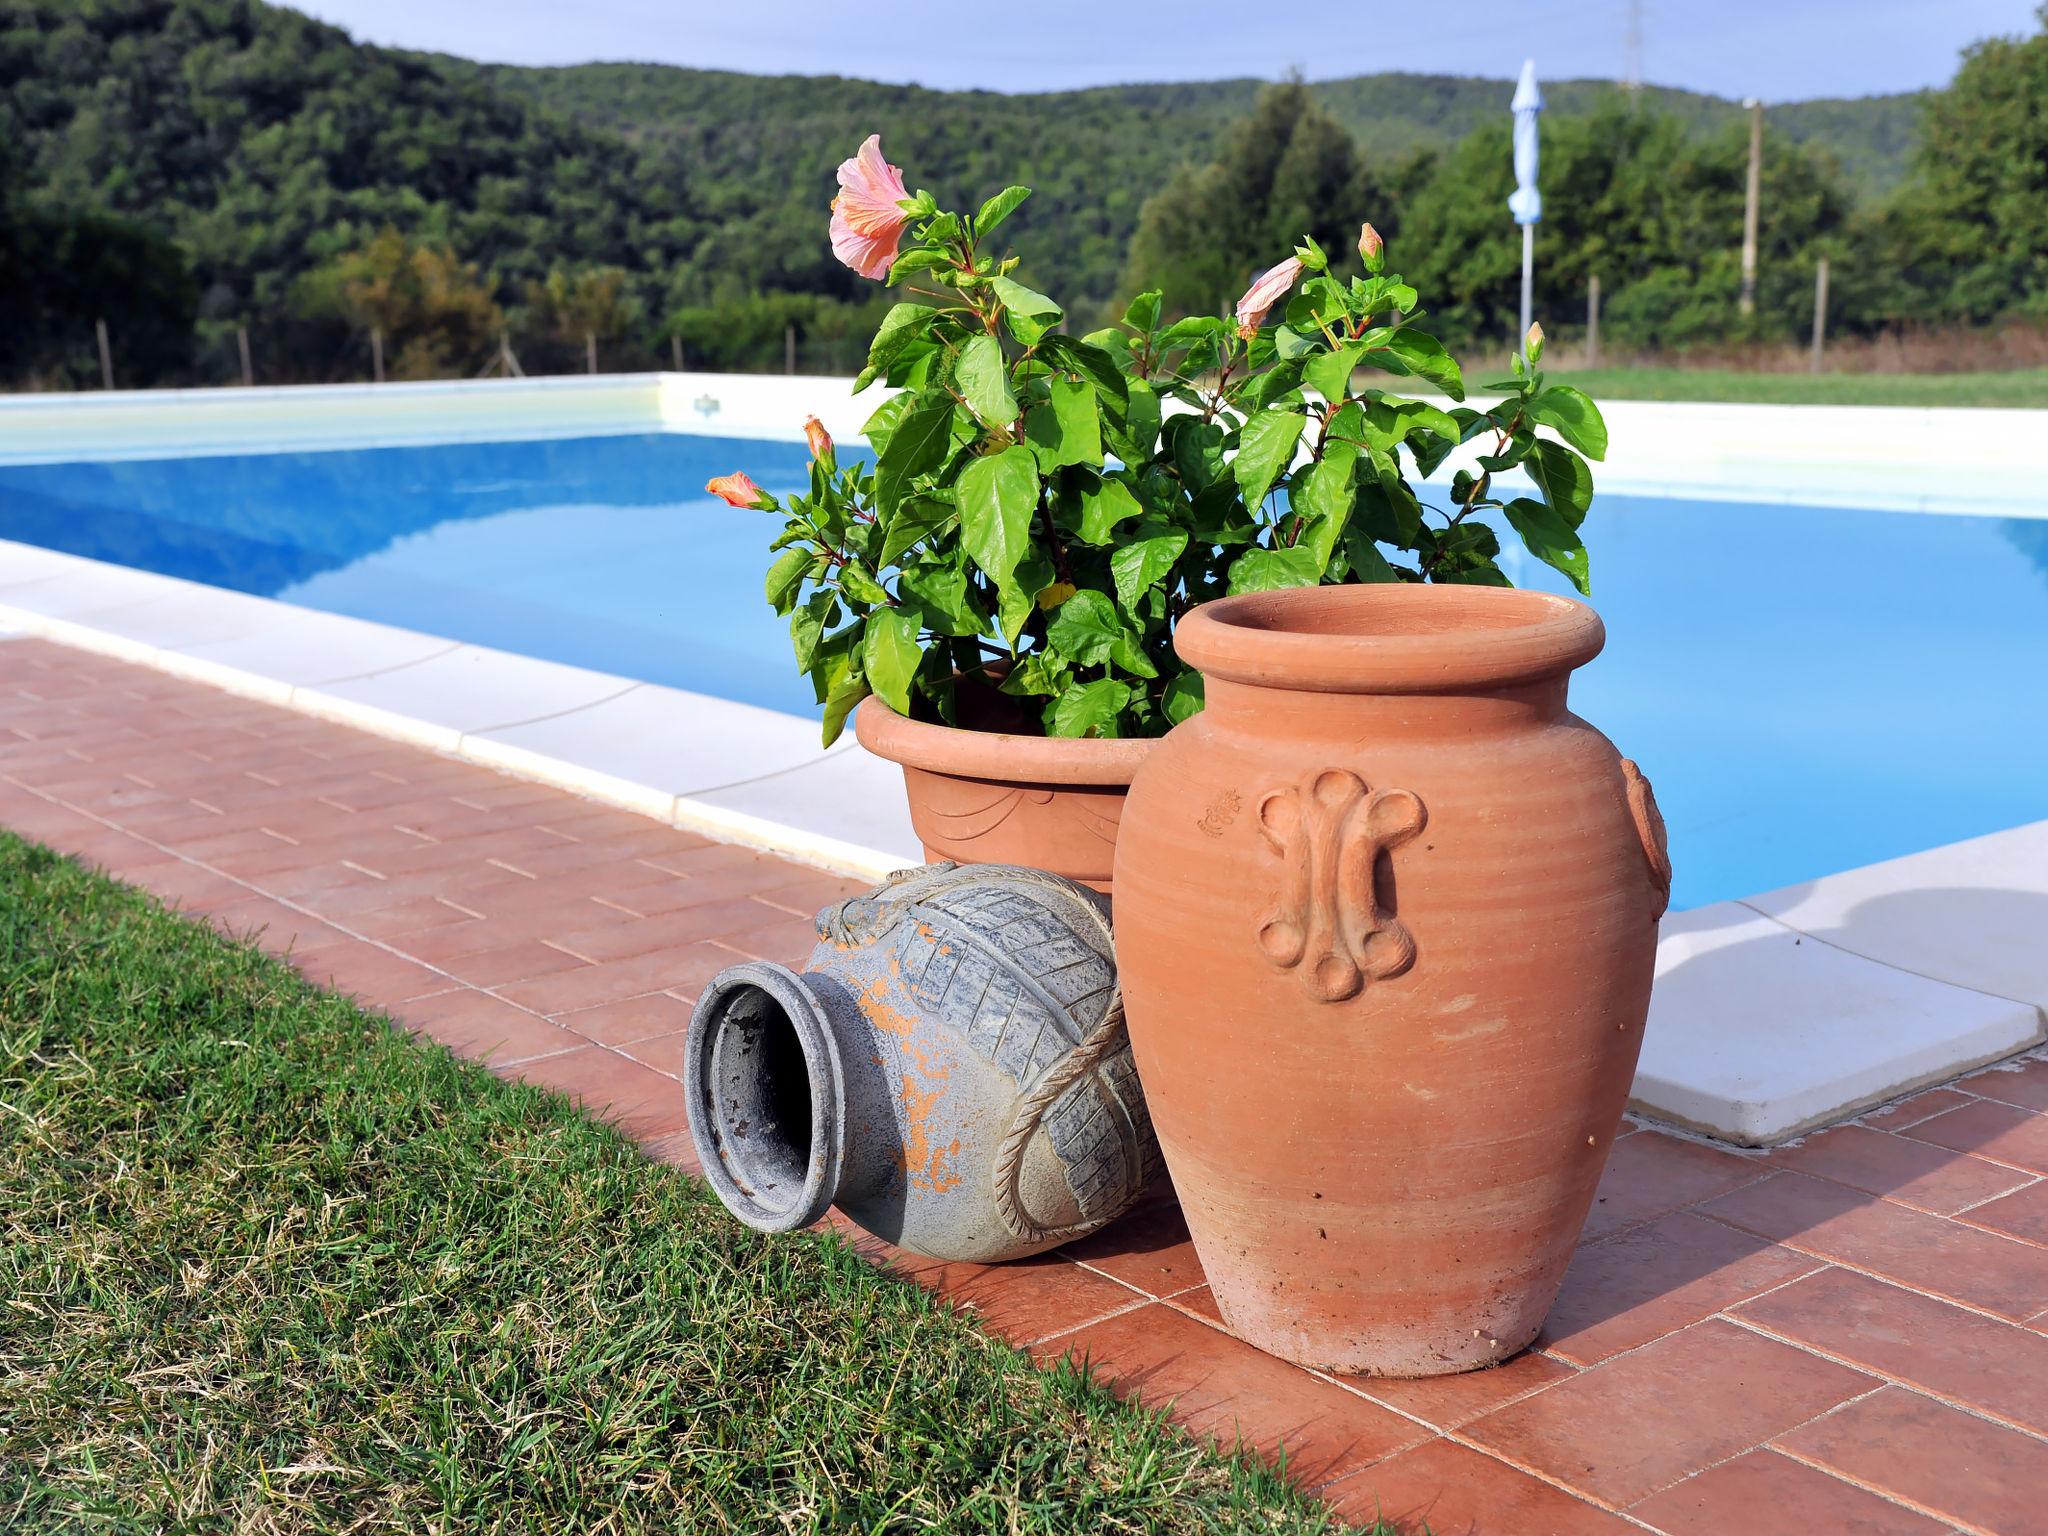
point(994, 791)
point(1386, 920)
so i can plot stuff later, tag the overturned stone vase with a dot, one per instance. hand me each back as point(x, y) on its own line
point(950, 1069)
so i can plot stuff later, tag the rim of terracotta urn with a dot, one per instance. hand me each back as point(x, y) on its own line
point(767, 1091)
point(996, 754)
point(1389, 638)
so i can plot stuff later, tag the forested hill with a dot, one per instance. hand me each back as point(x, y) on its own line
point(759, 149)
point(1870, 137)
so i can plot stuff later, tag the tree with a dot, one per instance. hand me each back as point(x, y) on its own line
point(1972, 224)
point(436, 314)
point(575, 306)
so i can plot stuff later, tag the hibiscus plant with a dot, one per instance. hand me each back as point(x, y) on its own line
point(1041, 507)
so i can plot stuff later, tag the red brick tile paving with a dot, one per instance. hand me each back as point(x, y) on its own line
point(1763, 1493)
point(1950, 1464)
point(1849, 1335)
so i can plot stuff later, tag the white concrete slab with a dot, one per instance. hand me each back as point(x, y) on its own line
point(21, 564)
point(471, 688)
point(848, 805)
point(1974, 914)
point(1758, 1032)
point(666, 739)
point(299, 647)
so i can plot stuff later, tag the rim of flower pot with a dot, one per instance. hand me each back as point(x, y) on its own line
point(1380, 638)
point(996, 754)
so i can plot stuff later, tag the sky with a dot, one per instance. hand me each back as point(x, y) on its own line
point(1779, 50)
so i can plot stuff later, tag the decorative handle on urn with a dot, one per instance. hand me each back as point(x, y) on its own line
point(1642, 805)
point(1330, 831)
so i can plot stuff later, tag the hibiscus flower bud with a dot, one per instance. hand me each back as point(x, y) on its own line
point(1270, 288)
point(1371, 247)
point(1533, 343)
point(737, 490)
point(820, 440)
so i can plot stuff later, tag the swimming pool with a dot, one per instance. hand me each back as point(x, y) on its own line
point(1811, 689)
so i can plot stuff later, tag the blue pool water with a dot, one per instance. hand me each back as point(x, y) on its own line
point(1809, 689)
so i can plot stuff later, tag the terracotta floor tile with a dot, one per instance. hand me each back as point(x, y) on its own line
point(684, 969)
point(2001, 1132)
point(1993, 1367)
point(1763, 1493)
point(629, 1019)
point(1650, 1173)
point(1638, 1423)
point(1224, 1390)
point(1025, 1302)
point(1641, 1284)
point(2023, 1083)
point(1950, 1463)
point(521, 961)
point(1450, 1401)
point(401, 920)
point(2022, 1214)
point(645, 935)
point(177, 884)
point(1943, 1258)
point(664, 1053)
point(1915, 1172)
point(485, 1028)
point(376, 977)
point(1148, 1248)
point(1441, 1488)
point(676, 1150)
point(1199, 1302)
point(639, 1101)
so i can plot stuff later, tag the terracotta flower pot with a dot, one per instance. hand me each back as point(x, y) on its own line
point(993, 797)
point(1386, 917)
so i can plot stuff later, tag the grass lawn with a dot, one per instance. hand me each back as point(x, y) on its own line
point(266, 1264)
point(2024, 387)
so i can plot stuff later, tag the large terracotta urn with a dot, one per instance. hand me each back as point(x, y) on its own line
point(1386, 918)
point(1004, 797)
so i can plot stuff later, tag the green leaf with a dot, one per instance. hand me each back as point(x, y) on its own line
point(1016, 603)
point(1575, 417)
point(860, 586)
point(944, 597)
point(1136, 437)
point(786, 578)
point(807, 626)
point(984, 378)
point(1094, 364)
point(1323, 497)
point(1183, 697)
point(903, 324)
point(1551, 539)
point(1409, 351)
point(1564, 478)
point(840, 702)
point(1067, 429)
point(919, 445)
point(1265, 447)
point(1367, 563)
point(997, 495)
point(1143, 314)
point(920, 258)
point(891, 652)
point(1103, 508)
point(999, 208)
point(1329, 373)
point(1028, 313)
point(1197, 448)
point(1266, 570)
point(1088, 631)
point(916, 518)
point(1090, 709)
point(1140, 564)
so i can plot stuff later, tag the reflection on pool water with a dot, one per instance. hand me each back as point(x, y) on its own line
point(1809, 689)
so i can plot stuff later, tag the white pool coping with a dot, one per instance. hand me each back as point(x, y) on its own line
point(1771, 1015)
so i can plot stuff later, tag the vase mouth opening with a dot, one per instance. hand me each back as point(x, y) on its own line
point(766, 1096)
point(1390, 638)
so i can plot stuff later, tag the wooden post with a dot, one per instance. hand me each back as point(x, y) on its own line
point(377, 352)
point(1820, 312)
point(590, 351)
point(675, 350)
point(106, 355)
point(1749, 205)
point(789, 349)
point(1593, 321)
point(242, 344)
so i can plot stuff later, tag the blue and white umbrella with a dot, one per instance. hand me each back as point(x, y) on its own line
point(1526, 202)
